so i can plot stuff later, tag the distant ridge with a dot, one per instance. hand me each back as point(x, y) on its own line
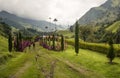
point(21, 23)
point(105, 14)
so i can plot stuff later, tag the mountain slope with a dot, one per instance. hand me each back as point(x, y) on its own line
point(105, 14)
point(21, 23)
point(114, 27)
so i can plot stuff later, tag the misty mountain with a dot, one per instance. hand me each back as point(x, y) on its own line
point(21, 23)
point(105, 14)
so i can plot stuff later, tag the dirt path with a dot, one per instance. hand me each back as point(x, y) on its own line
point(21, 70)
point(81, 70)
point(49, 73)
point(48, 67)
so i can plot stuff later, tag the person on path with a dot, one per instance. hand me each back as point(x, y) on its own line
point(36, 57)
point(34, 45)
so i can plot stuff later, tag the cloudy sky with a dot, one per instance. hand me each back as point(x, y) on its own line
point(66, 11)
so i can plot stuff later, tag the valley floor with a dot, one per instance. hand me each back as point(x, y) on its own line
point(42, 63)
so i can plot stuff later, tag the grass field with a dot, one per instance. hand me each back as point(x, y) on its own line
point(24, 65)
point(49, 64)
point(90, 61)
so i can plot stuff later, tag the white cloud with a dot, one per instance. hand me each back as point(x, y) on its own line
point(66, 11)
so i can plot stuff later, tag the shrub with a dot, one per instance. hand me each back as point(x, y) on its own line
point(53, 42)
point(111, 54)
point(62, 42)
point(95, 47)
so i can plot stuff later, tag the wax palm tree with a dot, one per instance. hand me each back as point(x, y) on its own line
point(55, 20)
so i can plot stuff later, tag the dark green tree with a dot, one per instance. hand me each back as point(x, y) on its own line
point(77, 38)
point(10, 43)
point(53, 42)
point(20, 41)
point(20, 37)
point(17, 41)
point(111, 53)
point(62, 42)
point(49, 40)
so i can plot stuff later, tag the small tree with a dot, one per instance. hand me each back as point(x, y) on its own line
point(17, 41)
point(20, 41)
point(20, 37)
point(53, 42)
point(62, 42)
point(49, 40)
point(10, 43)
point(77, 38)
point(111, 53)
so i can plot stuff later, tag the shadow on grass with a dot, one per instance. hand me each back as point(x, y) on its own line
point(113, 63)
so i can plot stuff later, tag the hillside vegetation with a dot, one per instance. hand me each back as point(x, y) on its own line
point(114, 27)
point(4, 29)
point(66, 33)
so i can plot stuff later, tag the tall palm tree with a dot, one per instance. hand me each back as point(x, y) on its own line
point(55, 20)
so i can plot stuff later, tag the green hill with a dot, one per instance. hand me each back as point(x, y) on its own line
point(66, 33)
point(114, 27)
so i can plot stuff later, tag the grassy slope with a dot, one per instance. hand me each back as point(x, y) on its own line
point(12, 65)
point(66, 33)
point(87, 64)
point(114, 27)
point(3, 44)
point(4, 54)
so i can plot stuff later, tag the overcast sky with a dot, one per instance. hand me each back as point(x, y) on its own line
point(66, 11)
